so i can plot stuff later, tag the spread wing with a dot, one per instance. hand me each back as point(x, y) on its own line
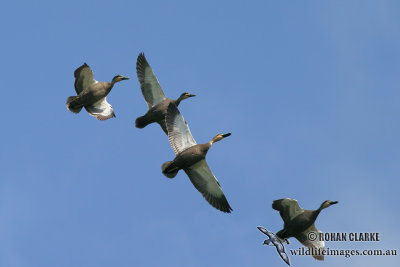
point(316, 244)
point(179, 134)
point(151, 89)
point(206, 183)
point(288, 208)
point(266, 232)
point(280, 247)
point(83, 78)
point(102, 110)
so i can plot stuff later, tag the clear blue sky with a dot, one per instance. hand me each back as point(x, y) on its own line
point(309, 90)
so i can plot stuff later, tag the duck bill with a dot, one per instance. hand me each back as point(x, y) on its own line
point(333, 202)
point(191, 95)
point(226, 135)
point(125, 78)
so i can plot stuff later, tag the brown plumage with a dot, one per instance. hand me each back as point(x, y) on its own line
point(92, 94)
point(154, 96)
point(190, 157)
point(298, 223)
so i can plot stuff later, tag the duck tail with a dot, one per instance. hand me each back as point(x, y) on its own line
point(169, 170)
point(142, 122)
point(73, 104)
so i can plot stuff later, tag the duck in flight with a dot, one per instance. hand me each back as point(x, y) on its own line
point(299, 223)
point(91, 94)
point(190, 157)
point(154, 96)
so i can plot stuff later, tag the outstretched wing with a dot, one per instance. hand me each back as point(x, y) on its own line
point(288, 208)
point(151, 89)
point(179, 134)
point(83, 78)
point(266, 232)
point(206, 183)
point(316, 245)
point(102, 110)
point(280, 247)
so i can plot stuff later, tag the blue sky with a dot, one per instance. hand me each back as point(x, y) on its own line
point(309, 90)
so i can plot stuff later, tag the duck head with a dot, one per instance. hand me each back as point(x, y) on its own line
point(185, 95)
point(219, 137)
point(119, 78)
point(327, 203)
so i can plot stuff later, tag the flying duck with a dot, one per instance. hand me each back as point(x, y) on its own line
point(190, 157)
point(154, 96)
point(299, 223)
point(92, 94)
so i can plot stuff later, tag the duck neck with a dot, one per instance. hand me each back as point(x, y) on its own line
point(110, 86)
point(208, 145)
point(205, 147)
point(178, 101)
point(316, 212)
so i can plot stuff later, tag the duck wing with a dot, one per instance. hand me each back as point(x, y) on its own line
point(151, 89)
point(179, 134)
point(316, 244)
point(83, 78)
point(102, 110)
point(205, 182)
point(288, 208)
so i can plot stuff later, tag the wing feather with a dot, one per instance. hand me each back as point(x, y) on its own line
point(206, 183)
point(288, 208)
point(83, 78)
point(316, 245)
point(151, 89)
point(102, 110)
point(179, 134)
